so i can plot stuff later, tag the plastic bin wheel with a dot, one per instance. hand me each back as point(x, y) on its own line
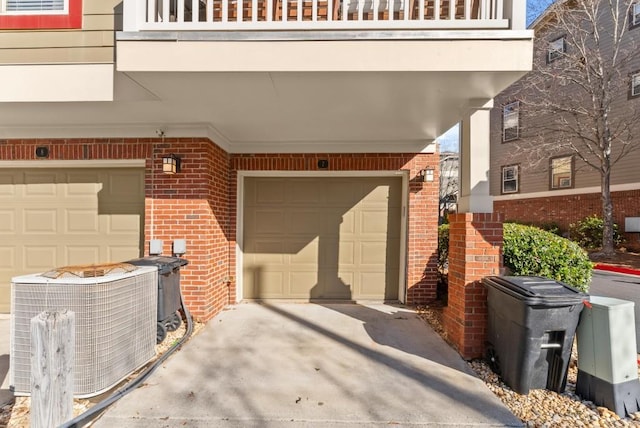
point(173, 322)
point(161, 333)
point(492, 360)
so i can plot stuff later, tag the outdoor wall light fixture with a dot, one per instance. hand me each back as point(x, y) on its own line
point(170, 164)
point(426, 174)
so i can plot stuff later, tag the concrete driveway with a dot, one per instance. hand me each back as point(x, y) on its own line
point(310, 365)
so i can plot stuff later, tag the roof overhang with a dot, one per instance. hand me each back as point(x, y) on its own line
point(252, 96)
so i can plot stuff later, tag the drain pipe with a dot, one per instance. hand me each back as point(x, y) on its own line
point(89, 415)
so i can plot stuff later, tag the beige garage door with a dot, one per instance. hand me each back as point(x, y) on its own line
point(321, 238)
point(58, 217)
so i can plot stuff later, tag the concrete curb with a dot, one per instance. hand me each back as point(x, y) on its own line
point(617, 269)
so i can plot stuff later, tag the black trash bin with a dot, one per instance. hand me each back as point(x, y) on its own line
point(168, 291)
point(532, 323)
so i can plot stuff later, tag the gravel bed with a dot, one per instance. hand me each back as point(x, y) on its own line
point(540, 408)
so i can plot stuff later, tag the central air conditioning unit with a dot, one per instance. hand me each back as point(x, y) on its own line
point(115, 322)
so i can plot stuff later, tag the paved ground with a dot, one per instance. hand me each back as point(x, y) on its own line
point(5, 329)
point(308, 365)
point(619, 286)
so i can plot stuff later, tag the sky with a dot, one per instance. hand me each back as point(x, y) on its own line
point(449, 140)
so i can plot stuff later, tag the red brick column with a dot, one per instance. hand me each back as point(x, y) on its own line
point(475, 242)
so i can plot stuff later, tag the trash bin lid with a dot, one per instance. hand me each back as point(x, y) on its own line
point(165, 264)
point(537, 290)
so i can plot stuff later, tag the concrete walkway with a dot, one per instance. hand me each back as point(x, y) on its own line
point(309, 365)
point(5, 332)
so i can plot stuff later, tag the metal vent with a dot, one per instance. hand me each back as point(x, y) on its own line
point(115, 325)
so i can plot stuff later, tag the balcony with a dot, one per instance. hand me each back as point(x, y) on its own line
point(285, 76)
point(322, 15)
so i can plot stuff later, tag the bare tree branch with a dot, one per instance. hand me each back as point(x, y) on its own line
point(575, 99)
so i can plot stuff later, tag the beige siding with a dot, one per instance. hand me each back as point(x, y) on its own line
point(533, 163)
point(91, 44)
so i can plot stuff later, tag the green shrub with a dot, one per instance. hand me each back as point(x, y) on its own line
point(529, 250)
point(588, 233)
point(549, 226)
point(443, 246)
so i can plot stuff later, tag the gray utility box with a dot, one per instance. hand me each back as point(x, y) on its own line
point(607, 359)
point(532, 322)
point(168, 291)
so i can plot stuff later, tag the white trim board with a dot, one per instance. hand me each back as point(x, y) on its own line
point(92, 163)
point(566, 192)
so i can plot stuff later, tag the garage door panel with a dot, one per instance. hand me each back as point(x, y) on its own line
point(38, 258)
point(81, 255)
point(7, 258)
point(40, 184)
point(80, 221)
point(335, 230)
point(373, 222)
point(8, 187)
point(348, 223)
point(342, 193)
point(268, 284)
point(373, 253)
point(7, 221)
point(304, 192)
point(372, 284)
point(337, 285)
point(82, 185)
point(303, 253)
point(125, 252)
point(346, 253)
point(268, 221)
point(301, 282)
point(124, 223)
point(267, 251)
point(304, 221)
point(37, 221)
point(272, 191)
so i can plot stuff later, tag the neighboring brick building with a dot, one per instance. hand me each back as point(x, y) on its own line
point(537, 185)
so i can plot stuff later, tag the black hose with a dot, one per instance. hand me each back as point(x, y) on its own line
point(91, 413)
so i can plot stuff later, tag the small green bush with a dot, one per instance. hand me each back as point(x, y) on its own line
point(588, 233)
point(443, 246)
point(529, 250)
point(549, 226)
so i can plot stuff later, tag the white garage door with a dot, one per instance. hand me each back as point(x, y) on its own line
point(321, 238)
point(59, 217)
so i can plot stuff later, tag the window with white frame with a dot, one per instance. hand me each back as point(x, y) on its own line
point(556, 48)
point(562, 172)
point(510, 179)
point(34, 6)
point(634, 16)
point(635, 85)
point(511, 121)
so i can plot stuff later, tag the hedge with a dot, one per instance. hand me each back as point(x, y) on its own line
point(528, 250)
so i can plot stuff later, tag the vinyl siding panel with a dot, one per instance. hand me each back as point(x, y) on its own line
point(57, 55)
point(534, 167)
point(92, 44)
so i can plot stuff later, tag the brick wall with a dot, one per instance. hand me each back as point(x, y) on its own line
point(475, 242)
point(199, 204)
point(193, 205)
point(422, 241)
point(564, 210)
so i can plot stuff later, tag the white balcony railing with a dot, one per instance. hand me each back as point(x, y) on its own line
point(250, 15)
